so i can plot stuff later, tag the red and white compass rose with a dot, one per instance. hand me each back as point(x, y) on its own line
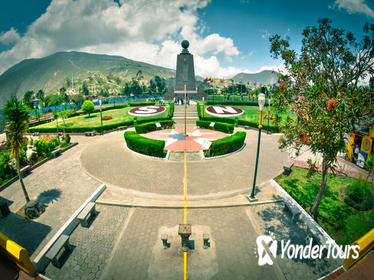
point(196, 139)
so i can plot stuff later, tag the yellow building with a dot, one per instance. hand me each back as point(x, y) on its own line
point(360, 145)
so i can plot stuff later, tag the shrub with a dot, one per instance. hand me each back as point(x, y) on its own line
point(223, 127)
point(151, 126)
point(144, 145)
point(358, 190)
point(66, 138)
point(42, 147)
point(7, 170)
point(22, 158)
point(53, 144)
point(226, 145)
point(88, 107)
point(272, 128)
point(107, 118)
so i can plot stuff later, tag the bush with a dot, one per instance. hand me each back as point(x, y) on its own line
point(272, 128)
point(42, 147)
point(226, 145)
point(66, 138)
point(107, 118)
point(171, 111)
point(359, 195)
point(88, 107)
point(241, 103)
point(23, 158)
point(144, 145)
point(6, 169)
point(151, 126)
point(223, 127)
point(33, 157)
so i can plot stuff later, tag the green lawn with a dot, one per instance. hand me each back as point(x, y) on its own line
point(252, 114)
point(118, 116)
point(341, 222)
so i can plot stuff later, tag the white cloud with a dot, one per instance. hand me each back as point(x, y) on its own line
point(9, 37)
point(354, 6)
point(144, 30)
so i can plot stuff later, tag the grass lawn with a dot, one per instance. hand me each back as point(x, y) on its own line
point(118, 116)
point(342, 222)
point(252, 114)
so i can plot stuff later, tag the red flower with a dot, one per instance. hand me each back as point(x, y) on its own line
point(331, 104)
point(283, 85)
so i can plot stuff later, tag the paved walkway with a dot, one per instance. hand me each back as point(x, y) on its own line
point(109, 161)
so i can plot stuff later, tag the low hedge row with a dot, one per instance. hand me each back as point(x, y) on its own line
point(151, 126)
point(241, 103)
point(272, 128)
point(134, 103)
point(223, 127)
point(171, 111)
point(145, 145)
point(226, 145)
point(31, 124)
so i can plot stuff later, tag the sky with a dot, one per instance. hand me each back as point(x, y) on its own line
point(226, 36)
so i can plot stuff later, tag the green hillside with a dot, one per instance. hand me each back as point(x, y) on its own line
point(55, 71)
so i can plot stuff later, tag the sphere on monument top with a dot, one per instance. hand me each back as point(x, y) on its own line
point(185, 44)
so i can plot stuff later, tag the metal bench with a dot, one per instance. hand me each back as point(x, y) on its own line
point(294, 210)
point(62, 242)
point(56, 152)
point(25, 170)
point(287, 169)
point(87, 213)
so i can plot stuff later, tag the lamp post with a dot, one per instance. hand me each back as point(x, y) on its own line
point(101, 117)
point(203, 107)
point(269, 100)
point(261, 103)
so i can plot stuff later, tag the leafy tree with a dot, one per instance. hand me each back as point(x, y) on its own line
point(152, 86)
point(62, 90)
point(77, 99)
point(55, 116)
point(127, 89)
point(27, 97)
point(53, 100)
point(18, 115)
point(64, 114)
point(85, 90)
point(160, 84)
point(88, 107)
point(40, 95)
point(321, 88)
point(139, 76)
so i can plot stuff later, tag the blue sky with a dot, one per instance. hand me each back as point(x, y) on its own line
point(226, 36)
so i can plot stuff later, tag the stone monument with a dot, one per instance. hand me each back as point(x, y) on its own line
point(185, 75)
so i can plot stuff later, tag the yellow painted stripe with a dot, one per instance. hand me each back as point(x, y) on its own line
point(185, 265)
point(185, 187)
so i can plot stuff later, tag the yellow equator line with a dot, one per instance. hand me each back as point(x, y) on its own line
point(185, 210)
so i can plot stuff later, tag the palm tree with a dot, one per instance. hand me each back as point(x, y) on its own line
point(18, 115)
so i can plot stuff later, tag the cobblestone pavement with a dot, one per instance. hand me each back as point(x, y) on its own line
point(139, 253)
point(273, 219)
point(62, 185)
point(91, 246)
point(123, 168)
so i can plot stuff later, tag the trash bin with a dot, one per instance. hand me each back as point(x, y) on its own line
point(4, 208)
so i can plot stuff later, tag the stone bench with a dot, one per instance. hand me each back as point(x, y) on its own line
point(61, 242)
point(87, 213)
point(25, 170)
point(56, 153)
point(287, 169)
point(36, 134)
point(294, 210)
point(90, 133)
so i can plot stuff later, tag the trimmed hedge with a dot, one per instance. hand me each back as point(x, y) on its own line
point(272, 128)
point(31, 124)
point(134, 103)
point(226, 145)
point(151, 126)
point(171, 111)
point(241, 103)
point(223, 127)
point(145, 145)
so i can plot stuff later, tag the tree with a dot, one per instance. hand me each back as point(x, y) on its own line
point(40, 95)
point(55, 116)
point(85, 90)
point(77, 99)
point(64, 114)
point(152, 86)
point(88, 107)
point(160, 84)
point(27, 98)
point(320, 87)
point(53, 100)
point(18, 115)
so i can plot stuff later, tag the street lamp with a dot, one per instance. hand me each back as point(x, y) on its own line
point(101, 117)
point(269, 100)
point(261, 103)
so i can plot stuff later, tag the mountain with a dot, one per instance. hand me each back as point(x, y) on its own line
point(50, 73)
point(266, 77)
